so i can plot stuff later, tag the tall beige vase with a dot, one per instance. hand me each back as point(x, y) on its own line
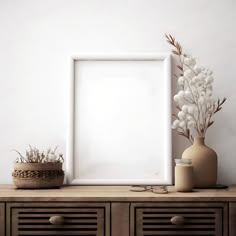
point(204, 161)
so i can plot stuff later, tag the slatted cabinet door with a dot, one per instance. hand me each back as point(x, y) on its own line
point(179, 219)
point(2, 219)
point(80, 219)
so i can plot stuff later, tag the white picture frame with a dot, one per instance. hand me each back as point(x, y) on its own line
point(119, 129)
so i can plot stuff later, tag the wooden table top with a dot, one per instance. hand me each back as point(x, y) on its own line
point(112, 193)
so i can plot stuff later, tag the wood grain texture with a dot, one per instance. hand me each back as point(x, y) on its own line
point(78, 218)
point(2, 219)
point(201, 208)
point(199, 219)
point(112, 193)
point(232, 219)
point(120, 219)
point(226, 219)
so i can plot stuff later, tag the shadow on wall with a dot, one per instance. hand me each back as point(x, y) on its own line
point(179, 143)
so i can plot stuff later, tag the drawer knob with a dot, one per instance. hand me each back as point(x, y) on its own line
point(177, 220)
point(56, 220)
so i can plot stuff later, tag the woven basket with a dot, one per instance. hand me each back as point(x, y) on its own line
point(38, 175)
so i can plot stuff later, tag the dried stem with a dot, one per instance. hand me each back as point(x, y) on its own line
point(203, 116)
point(35, 156)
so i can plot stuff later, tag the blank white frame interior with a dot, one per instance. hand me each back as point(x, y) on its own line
point(120, 120)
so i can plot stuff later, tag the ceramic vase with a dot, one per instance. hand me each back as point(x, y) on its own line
point(204, 161)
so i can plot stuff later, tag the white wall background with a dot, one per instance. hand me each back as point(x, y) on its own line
point(37, 39)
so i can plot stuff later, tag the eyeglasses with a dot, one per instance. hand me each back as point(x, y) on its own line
point(154, 189)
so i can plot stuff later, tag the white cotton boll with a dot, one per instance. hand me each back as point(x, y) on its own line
point(193, 62)
point(180, 96)
point(201, 100)
point(209, 79)
point(189, 74)
point(181, 115)
point(189, 117)
point(185, 108)
point(188, 61)
point(187, 94)
point(181, 80)
point(175, 124)
point(209, 72)
point(191, 124)
point(182, 124)
point(199, 84)
point(209, 93)
point(197, 69)
point(200, 76)
point(176, 98)
point(209, 87)
point(191, 109)
point(181, 93)
point(203, 69)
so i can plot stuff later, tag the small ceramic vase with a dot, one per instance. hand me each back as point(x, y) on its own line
point(204, 161)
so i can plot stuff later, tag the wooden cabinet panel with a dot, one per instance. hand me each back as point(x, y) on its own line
point(179, 219)
point(2, 219)
point(53, 219)
point(232, 219)
point(120, 219)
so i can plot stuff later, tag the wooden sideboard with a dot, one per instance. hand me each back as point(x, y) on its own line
point(116, 211)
